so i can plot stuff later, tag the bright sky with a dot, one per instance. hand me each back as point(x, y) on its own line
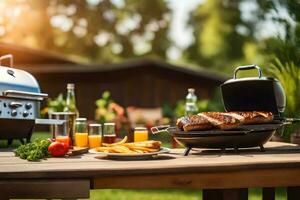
point(180, 34)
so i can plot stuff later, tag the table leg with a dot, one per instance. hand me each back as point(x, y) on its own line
point(211, 195)
point(268, 193)
point(293, 193)
point(187, 151)
point(226, 194)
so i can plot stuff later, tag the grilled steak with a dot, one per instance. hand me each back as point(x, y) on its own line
point(222, 120)
point(255, 117)
point(194, 122)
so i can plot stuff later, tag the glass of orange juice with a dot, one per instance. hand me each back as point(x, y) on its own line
point(95, 135)
point(81, 134)
point(140, 134)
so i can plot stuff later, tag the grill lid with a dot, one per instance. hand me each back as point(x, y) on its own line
point(18, 83)
point(253, 94)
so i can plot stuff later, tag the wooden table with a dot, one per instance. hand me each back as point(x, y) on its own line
point(220, 175)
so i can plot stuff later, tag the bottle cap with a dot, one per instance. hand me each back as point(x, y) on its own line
point(191, 90)
point(109, 124)
point(80, 119)
point(140, 128)
point(94, 125)
point(70, 86)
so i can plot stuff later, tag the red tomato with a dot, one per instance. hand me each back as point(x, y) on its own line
point(57, 149)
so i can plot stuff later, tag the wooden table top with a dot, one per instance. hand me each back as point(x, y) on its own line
point(277, 155)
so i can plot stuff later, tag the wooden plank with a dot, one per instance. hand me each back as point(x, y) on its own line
point(279, 156)
point(268, 194)
point(213, 180)
point(293, 193)
point(68, 188)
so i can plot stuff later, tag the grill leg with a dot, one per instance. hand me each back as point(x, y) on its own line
point(223, 150)
point(236, 149)
point(187, 151)
point(262, 148)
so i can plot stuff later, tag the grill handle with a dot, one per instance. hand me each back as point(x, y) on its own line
point(8, 56)
point(30, 95)
point(247, 67)
point(159, 129)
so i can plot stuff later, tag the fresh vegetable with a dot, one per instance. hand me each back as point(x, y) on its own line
point(33, 151)
point(57, 149)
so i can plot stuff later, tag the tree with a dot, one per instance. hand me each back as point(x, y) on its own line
point(100, 30)
point(218, 41)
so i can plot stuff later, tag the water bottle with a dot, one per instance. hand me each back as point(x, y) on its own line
point(191, 103)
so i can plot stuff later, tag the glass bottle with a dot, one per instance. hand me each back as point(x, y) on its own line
point(191, 103)
point(71, 100)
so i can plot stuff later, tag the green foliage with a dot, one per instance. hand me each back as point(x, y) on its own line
point(103, 111)
point(289, 76)
point(33, 151)
point(167, 111)
point(57, 104)
point(217, 41)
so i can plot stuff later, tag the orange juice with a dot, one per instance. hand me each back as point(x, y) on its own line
point(140, 135)
point(63, 139)
point(81, 139)
point(94, 141)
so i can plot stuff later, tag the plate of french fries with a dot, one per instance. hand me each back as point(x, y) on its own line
point(122, 149)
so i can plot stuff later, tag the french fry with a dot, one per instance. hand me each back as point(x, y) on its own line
point(144, 149)
point(130, 148)
point(115, 144)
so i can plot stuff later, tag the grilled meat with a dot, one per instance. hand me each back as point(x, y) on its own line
point(194, 122)
point(255, 117)
point(222, 120)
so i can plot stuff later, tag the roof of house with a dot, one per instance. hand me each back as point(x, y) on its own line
point(41, 61)
point(23, 54)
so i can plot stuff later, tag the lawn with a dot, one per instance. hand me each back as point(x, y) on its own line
point(108, 194)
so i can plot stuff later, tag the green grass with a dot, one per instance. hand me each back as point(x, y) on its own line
point(254, 194)
point(109, 194)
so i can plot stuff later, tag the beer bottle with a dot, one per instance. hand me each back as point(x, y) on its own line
point(71, 100)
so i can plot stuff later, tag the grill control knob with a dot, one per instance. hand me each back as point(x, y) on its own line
point(25, 113)
point(14, 113)
point(28, 106)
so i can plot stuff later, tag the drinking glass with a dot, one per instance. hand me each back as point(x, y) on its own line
point(140, 134)
point(81, 134)
point(109, 133)
point(63, 132)
point(95, 135)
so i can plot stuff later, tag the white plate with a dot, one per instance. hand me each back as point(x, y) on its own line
point(130, 155)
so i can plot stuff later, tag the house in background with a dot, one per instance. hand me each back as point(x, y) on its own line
point(139, 82)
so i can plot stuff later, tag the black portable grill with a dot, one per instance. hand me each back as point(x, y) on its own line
point(20, 98)
point(240, 94)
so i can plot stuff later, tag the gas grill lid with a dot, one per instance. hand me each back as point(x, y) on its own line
point(18, 83)
point(253, 94)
